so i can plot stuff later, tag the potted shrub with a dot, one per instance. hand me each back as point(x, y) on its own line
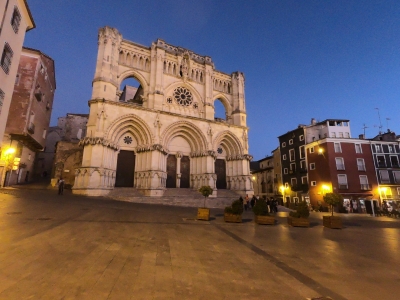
point(299, 218)
point(203, 213)
point(234, 212)
point(261, 215)
point(332, 199)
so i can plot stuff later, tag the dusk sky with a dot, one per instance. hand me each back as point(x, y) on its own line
point(301, 59)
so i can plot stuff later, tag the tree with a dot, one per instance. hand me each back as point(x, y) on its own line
point(206, 191)
point(333, 199)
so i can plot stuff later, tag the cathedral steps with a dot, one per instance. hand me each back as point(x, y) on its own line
point(176, 197)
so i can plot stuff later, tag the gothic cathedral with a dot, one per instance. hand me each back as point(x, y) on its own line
point(164, 133)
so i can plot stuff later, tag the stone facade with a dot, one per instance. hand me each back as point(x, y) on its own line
point(55, 160)
point(170, 138)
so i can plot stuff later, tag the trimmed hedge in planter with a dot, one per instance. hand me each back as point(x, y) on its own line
point(234, 212)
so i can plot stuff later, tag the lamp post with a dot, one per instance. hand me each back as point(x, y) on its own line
point(9, 152)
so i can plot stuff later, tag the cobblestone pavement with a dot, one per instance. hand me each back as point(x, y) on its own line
point(74, 247)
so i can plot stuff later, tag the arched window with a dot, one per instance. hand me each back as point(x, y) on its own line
point(219, 111)
point(131, 91)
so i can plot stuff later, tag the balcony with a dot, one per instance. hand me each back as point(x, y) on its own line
point(385, 180)
point(381, 165)
point(343, 186)
point(31, 128)
point(366, 187)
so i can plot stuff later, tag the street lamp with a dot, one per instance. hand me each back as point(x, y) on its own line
point(282, 188)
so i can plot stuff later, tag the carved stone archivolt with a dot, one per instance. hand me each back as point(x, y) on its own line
point(149, 148)
point(239, 157)
point(98, 141)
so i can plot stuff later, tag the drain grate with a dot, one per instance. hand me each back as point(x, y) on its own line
point(43, 219)
point(14, 213)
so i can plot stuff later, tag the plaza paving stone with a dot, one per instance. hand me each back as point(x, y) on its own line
point(75, 247)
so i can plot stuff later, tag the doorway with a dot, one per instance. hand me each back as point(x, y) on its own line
point(125, 169)
point(220, 170)
point(171, 171)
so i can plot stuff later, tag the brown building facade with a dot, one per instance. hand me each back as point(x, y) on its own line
point(343, 166)
point(30, 111)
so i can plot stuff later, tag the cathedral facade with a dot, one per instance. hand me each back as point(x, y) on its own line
point(162, 134)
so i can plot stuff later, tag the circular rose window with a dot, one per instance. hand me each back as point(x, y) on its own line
point(183, 96)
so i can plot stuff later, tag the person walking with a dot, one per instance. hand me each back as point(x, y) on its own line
point(61, 186)
point(247, 201)
point(253, 201)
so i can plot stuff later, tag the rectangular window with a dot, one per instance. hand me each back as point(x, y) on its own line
point(337, 147)
point(364, 183)
point(347, 135)
point(360, 164)
point(333, 134)
point(342, 180)
point(339, 163)
point(2, 96)
point(302, 152)
point(284, 157)
point(340, 134)
point(301, 138)
point(396, 175)
point(291, 154)
point(358, 148)
point(384, 174)
point(381, 161)
point(6, 58)
point(390, 148)
point(312, 166)
point(378, 149)
point(293, 181)
point(16, 20)
point(292, 168)
point(291, 142)
point(303, 165)
point(394, 160)
point(285, 171)
point(304, 180)
point(313, 183)
point(311, 149)
point(283, 145)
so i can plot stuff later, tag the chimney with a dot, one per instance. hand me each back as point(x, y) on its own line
point(313, 121)
point(361, 136)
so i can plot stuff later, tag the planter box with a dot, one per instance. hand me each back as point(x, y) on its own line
point(232, 218)
point(203, 214)
point(298, 222)
point(332, 222)
point(264, 220)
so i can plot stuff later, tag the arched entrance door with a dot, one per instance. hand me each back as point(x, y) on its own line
point(220, 170)
point(171, 171)
point(185, 172)
point(125, 169)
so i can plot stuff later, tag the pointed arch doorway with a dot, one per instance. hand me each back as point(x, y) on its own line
point(220, 171)
point(125, 169)
point(178, 172)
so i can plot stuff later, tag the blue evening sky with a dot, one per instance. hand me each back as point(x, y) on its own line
point(302, 59)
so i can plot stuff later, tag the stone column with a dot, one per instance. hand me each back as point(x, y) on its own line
point(178, 156)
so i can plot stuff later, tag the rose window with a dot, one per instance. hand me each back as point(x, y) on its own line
point(183, 96)
point(128, 140)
